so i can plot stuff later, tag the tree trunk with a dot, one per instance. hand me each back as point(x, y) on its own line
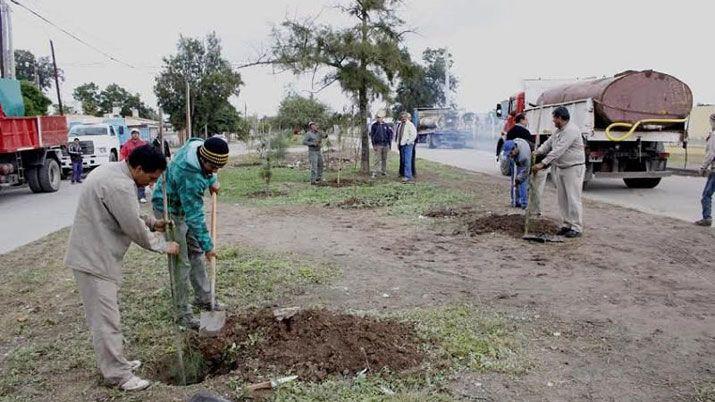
point(365, 141)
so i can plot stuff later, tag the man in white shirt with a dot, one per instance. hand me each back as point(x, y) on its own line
point(406, 137)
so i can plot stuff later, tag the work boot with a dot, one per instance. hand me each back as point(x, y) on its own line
point(705, 222)
point(134, 384)
point(572, 234)
point(207, 306)
point(189, 322)
point(563, 231)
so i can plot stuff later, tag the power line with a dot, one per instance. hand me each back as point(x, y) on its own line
point(73, 36)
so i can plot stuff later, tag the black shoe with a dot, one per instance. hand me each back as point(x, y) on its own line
point(563, 231)
point(707, 222)
point(572, 234)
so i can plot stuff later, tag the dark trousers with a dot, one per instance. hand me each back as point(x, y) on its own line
point(77, 171)
point(707, 198)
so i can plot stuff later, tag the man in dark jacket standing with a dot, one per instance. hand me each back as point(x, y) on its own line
point(520, 131)
point(75, 151)
point(381, 137)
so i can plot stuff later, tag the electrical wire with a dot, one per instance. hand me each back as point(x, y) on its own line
point(73, 36)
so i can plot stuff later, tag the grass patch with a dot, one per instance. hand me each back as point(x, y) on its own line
point(292, 186)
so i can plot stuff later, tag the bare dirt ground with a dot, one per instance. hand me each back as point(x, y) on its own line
point(623, 313)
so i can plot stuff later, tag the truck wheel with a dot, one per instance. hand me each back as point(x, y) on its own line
point(49, 176)
point(32, 180)
point(645, 182)
point(113, 156)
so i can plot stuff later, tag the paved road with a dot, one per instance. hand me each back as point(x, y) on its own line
point(676, 196)
point(26, 217)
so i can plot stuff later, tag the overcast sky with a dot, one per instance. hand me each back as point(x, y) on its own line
point(495, 43)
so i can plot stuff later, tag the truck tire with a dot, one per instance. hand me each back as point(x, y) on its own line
point(32, 180)
point(49, 175)
point(645, 182)
point(113, 156)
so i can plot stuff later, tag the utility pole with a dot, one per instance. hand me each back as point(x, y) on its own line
point(57, 80)
point(188, 111)
point(2, 39)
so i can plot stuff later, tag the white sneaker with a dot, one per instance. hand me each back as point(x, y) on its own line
point(135, 384)
point(142, 200)
point(134, 364)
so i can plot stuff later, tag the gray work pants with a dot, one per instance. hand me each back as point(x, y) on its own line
point(536, 191)
point(381, 152)
point(99, 298)
point(316, 164)
point(569, 185)
point(189, 267)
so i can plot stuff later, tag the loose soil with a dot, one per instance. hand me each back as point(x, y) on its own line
point(312, 344)
point(512, 225)
point(267, 193)
point(344, 183)
point(450, 212)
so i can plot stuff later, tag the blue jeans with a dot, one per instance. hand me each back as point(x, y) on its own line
point(707, 200)
point(407, 160)
point(141, 192)
point(522, 190)
point(76, 171)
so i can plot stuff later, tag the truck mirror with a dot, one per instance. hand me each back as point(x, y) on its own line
point(498, 110)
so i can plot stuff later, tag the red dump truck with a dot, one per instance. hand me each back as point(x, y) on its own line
point(31, 151)
point(625, 120)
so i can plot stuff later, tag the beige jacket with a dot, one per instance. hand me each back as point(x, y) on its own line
point(564, 148)
point(107, 221)
point(709, 161)
point(409, 133)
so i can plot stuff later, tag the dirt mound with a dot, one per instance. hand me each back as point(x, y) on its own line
point(512, 225)
point(267, 193)
point(312, 344)
point(343, 183)
point(449, 212)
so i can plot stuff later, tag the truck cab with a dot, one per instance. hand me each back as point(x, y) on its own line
point(100, 144)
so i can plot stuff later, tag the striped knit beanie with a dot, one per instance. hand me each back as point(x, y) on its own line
point(215, 151)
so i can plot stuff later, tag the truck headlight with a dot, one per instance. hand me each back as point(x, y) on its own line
point(102, 150)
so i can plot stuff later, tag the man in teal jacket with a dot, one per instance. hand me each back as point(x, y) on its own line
point(191, 172)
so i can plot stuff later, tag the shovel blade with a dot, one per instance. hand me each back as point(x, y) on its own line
point(212, 323)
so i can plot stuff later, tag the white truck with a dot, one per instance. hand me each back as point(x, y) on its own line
point(100, 144)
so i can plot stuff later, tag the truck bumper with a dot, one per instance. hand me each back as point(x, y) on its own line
point(631, 175)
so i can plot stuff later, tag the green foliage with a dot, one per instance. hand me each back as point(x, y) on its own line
point(295, 112)
point(363, 58)
point(36, 103)
point(424, 85)
point(100, 102)
point(39, 70)
point(212, 81)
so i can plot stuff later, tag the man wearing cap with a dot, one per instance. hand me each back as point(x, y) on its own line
point(406, 137)
point(565, 150)
point(191, 172)
point(708, 165)
point(314, 140)
point(133, 143)
point(517, 152)
point(381, 137)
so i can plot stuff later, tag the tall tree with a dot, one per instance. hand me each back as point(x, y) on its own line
point(88, 96)
point(423, 85)
point(36, 103)
point(295, 112)
point(39, 70)
point(364, 58)
point(211, 78)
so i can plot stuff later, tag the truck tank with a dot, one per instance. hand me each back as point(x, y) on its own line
point(628, 97)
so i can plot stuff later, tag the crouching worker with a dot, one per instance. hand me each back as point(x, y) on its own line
point(107, 221)
point(517, 153)
point(192, 171)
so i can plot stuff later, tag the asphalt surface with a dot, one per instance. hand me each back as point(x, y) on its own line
point(675, 197)
point(26, 217)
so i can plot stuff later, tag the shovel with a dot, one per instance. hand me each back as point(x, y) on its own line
point(212, 322)
point(542, 238)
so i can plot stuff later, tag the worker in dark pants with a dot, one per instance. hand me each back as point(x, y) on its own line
point(708, 165)
point(75, 151)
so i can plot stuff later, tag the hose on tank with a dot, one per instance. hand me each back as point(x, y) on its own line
point(632, 127)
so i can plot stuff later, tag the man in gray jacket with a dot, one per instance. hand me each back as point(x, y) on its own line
point(314, 140)
point(565, 150)
point(708, 169)
point(107, 221)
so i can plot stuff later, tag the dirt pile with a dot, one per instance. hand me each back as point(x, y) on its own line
point(312, 344)
point(512, 225)
point(343, 183)
point(449, 212)
point(267, 193)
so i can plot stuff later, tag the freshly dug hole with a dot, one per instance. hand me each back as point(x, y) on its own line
point(512, 225)
point(312, 344)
